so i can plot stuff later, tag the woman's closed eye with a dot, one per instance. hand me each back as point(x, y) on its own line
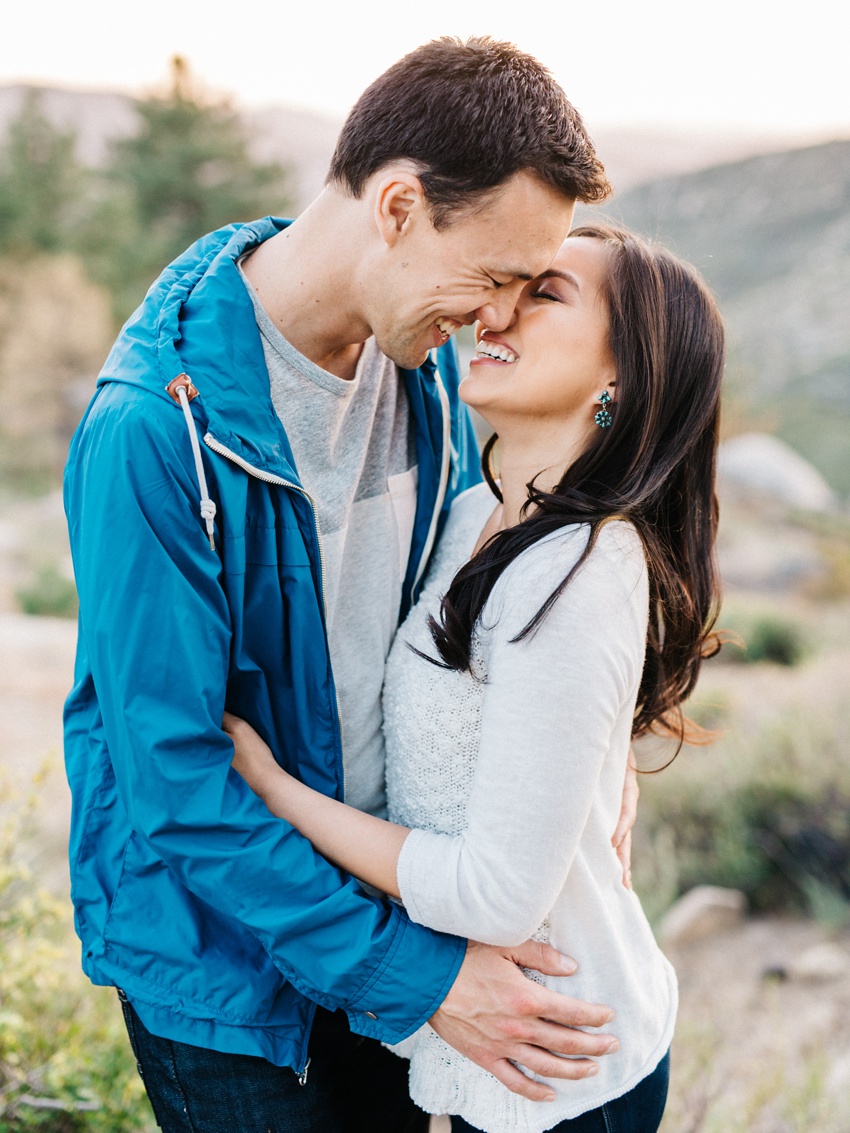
point(546, 295)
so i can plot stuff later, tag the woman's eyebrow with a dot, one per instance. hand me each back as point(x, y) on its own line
point(568, 277)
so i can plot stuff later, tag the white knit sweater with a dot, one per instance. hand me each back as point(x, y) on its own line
point(512, 781)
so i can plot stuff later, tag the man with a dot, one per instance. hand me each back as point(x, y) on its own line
point(253, 496)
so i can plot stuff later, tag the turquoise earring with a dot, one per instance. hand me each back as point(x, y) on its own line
point(603, 418)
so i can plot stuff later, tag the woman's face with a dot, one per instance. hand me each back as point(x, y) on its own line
point(553, 360)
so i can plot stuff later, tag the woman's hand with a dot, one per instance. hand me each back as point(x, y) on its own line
point(622, 840)
point(252, 756)
point(363, 845)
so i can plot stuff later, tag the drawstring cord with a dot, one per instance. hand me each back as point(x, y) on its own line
point(182, 391)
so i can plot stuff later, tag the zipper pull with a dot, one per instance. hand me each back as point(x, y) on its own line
point(302, 1077)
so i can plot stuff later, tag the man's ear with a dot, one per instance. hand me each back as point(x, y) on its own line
point(398, 198)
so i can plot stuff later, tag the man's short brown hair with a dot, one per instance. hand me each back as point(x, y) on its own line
point(469, 115)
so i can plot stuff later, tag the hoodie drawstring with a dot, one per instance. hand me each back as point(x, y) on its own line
point(182, 391)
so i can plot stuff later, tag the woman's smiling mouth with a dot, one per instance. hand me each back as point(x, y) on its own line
point(494, 349)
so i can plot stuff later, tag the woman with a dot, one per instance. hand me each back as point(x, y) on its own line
point(554, 628)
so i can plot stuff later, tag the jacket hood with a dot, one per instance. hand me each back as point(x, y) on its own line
point(198, 319)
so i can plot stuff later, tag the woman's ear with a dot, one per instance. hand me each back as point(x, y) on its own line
point(398, 198)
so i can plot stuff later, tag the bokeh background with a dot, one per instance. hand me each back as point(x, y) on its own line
point(127, 131)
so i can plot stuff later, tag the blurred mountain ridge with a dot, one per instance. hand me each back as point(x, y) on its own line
point(771, 235)
point(305, 139)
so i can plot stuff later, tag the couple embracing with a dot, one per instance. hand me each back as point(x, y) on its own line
point(350, 728)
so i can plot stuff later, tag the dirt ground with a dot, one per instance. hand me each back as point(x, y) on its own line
point(756, 1051)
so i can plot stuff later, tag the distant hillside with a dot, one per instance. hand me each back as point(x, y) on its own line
point(304, 141)
point(771, 234)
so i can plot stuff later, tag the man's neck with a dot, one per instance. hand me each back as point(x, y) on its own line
point(308, 284)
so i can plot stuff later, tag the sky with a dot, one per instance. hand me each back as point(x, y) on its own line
point(736, 65)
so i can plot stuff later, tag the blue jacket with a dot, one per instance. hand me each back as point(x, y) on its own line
point(221, 922)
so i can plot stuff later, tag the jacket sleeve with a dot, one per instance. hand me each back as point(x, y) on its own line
point(157, 634)
point(549, 709)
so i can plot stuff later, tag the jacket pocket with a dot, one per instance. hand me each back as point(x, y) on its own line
point(265, 543)
point(191, 953)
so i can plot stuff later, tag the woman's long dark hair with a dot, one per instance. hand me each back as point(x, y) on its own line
point(654, 466)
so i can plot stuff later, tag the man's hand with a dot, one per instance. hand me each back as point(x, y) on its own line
point(622, 839)
point(496, 1016)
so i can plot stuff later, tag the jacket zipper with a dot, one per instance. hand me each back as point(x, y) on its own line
point(270, 478)
point(302, 1077)
point(445, 464)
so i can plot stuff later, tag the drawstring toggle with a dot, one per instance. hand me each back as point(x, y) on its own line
point(183, 391)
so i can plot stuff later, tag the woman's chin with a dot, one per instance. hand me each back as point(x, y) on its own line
point(481, 406)
point(476, 394)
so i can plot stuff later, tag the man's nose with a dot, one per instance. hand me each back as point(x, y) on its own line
point(498, 313)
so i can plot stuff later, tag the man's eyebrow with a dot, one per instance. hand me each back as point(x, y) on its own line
point(567, 276)
point(513, 273)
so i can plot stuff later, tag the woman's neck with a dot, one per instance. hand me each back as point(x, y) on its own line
point(537, 454)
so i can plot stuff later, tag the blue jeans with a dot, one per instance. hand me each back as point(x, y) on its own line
point(354, 1085)
point(638, 1111)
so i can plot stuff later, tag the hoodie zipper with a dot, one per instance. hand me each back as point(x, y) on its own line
point(442, 488)
point(270, 478)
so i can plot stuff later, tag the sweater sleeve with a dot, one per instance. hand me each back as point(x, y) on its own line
point(550, 705)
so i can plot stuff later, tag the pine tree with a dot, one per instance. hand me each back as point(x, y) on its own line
point(41, 184)
point(186, 172)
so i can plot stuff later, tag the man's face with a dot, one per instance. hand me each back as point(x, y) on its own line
point(434, 281)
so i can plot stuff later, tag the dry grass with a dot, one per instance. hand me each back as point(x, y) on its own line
point(753, 1054)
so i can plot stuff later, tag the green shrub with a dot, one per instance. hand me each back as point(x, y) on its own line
point(50, 595)
point(764, 637)
point(777, 640)
point(766, 812)
point(65, 1063)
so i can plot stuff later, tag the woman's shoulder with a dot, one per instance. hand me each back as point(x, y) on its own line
point(473, 502)
point(469, 512)
point(617, 544)
point(614, 571)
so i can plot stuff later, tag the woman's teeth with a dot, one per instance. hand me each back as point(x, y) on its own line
point(494, 350)
point(447, 327)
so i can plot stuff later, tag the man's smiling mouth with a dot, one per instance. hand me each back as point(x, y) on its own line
point(447, 326)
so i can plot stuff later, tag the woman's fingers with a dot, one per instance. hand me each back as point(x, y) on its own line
point(622, 837)
point(624, 853)
point(252, 757)
point(229, 722)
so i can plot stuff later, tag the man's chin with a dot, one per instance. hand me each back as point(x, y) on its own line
point(406, 356)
